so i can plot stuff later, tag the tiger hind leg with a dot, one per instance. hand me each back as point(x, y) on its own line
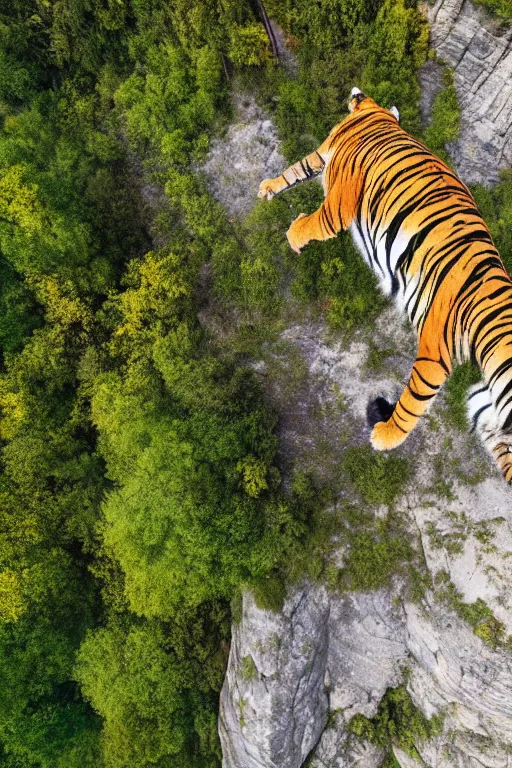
point(484, 421)
point(427, 377)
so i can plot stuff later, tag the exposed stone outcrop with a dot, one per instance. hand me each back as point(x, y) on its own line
point(479, 51)
point(454, 671)
point(248, 153)
point(277, 666)
point(319, 654)
point(349, 650)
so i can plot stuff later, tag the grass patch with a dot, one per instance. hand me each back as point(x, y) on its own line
point(248, 669)
point(469, 472)
point(237, 607)
point(308, 548)
point(372, 560)
point(478, 614)
point(375, 550)
point(390, 761)
point(376, 360)
point(453, 543)
point(445, 125)
point(502, 9)
point(324, 522)
point(270, 591)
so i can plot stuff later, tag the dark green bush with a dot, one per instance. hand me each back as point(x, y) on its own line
point(397, 722)
point(378, 477)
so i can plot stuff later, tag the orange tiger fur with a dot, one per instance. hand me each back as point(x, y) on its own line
point(418, 227)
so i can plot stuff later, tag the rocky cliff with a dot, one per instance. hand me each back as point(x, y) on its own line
point(295, 679)
point(327, 658)
point(479, 51)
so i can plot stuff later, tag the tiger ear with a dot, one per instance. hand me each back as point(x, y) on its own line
point(356, 97)
point(394, 111)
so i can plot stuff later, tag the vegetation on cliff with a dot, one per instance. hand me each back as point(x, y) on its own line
point(501, 9)
point(399, 723)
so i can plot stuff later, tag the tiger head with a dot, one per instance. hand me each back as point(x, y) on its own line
point(359, 100)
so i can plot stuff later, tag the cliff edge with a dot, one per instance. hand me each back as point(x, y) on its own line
point(479, 51)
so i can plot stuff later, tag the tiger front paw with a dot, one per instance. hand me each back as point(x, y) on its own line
point(267, 189)
point(295, 234)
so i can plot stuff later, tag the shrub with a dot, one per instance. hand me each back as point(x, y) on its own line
point(397, 722)
point(378, 477)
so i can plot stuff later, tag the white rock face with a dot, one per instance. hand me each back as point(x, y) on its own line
point(247, 154)
point(480, 53)
point(277, 665)
point(343, 653)
point(326, 652)
point(320, 653)
point(455, 671)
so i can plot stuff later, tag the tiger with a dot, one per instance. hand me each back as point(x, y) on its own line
point(418, 227)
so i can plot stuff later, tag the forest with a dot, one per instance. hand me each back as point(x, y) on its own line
point(141, 483)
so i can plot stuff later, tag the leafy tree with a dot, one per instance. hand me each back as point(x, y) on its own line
point(155, 689)
point(43, 720)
